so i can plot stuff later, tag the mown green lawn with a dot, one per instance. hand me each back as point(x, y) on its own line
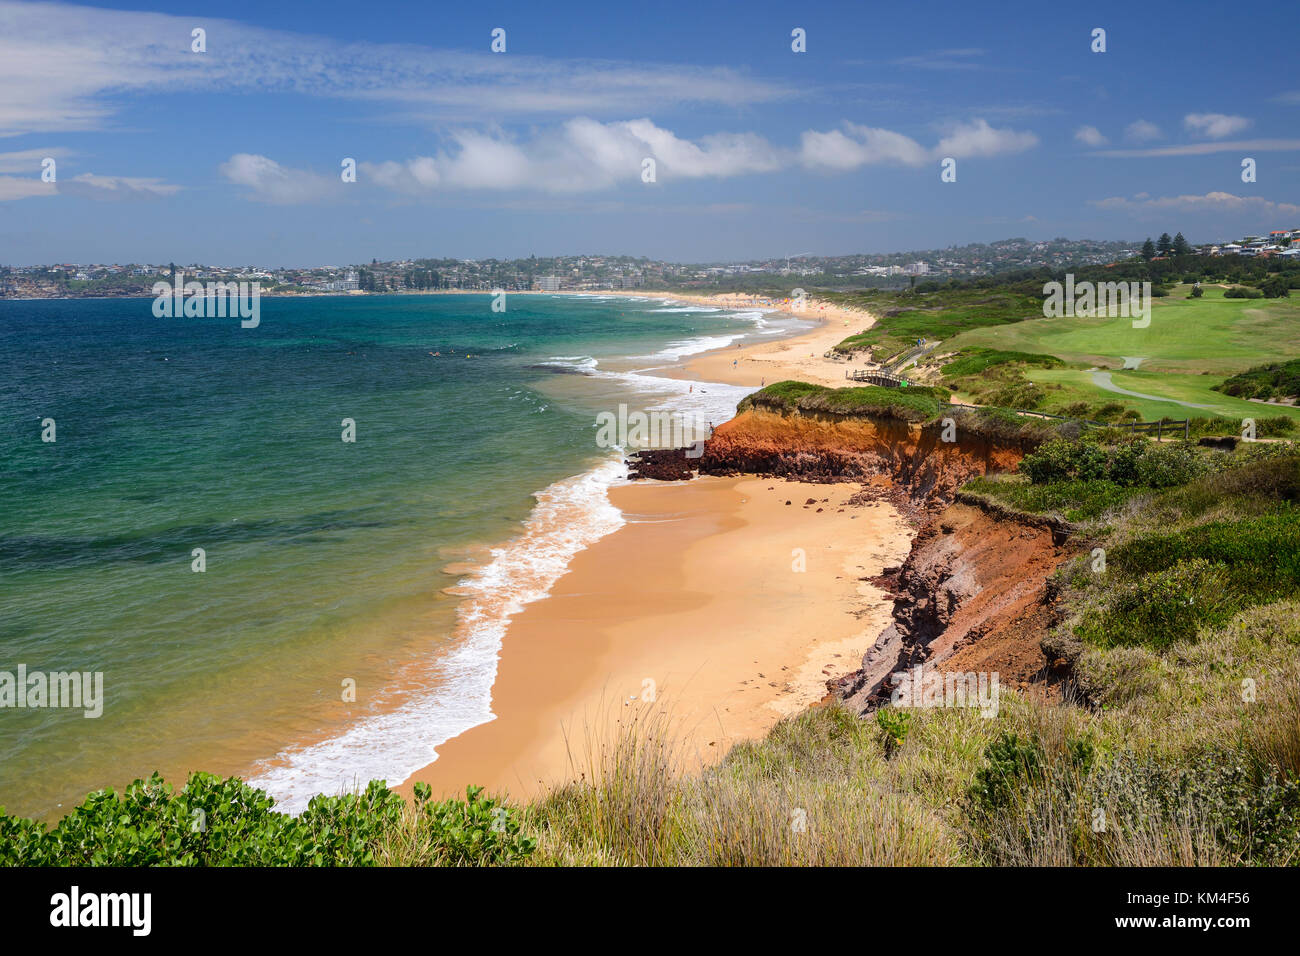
point(1077, 386)
point(1210, 334)
point(1190, 346)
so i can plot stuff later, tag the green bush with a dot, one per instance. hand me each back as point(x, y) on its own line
point(1162, 607)
point(476, 832)
point(1274, 287)
point(974, 361)
point(224, 822)
point(914, 404)
point(1277, 380)
point(1130, 464)
point(893, 728)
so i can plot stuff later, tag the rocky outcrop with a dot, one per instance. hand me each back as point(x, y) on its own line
point(910, 458)
point(974, 595)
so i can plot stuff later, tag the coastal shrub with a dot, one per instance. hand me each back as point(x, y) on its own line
point(1137, 463)
point(893, 728)
point(1242, 292)
point(1161, 607)
point(1275, 380)
point(1072, 500)
point(476, 831)
point(1064, 460)
point(215, 821)
point(1200, 808)
point(974, 361)
point(914, 404)
point(903, 317)
point(1275, 426)
point(1238, 813)
point(1163, 587)
point(1010, 765)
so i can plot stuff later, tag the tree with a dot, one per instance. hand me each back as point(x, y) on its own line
point(1197, 292)
point(1148, 249)
point(1181, 246)
point(1164, 244)
point(1274, 287)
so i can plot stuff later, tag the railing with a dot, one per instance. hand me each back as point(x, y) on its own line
point(875, 378)
point(916, 352)
point(1157, 427)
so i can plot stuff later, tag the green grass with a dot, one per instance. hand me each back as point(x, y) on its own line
point(1064, 386)
point(902, 318)
point(1210, 334)
point(1191, 347)
point(914, 404)
point(975, 361)
point(1074, 501)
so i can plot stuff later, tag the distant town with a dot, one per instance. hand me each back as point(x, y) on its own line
point(603, 272)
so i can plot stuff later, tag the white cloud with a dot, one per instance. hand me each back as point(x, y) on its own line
point(270, 182)
point(1140, 131)
point(1214, 125)
point(29, 160)
point(1201, 149)
point(1217, 202)
point(585, 154)
point(859, 146)
point(959, 59)
point(1090, 136)
point(66, 67)
point(978, 138)
point(27, 163)
point(856, 145)
point(25, 187)
point(582, 154)
point(91, 186)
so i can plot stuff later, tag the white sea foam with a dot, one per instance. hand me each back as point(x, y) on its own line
point(675, 351)
point(454, 690)
point(578, 362)
point(687, 308)
point(569, 517)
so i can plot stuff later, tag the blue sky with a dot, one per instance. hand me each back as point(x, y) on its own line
point(233, 155)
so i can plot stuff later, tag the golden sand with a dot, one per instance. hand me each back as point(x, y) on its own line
point(729, 606)
point(700, 599)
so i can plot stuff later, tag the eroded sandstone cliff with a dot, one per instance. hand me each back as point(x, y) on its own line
point(975, 592)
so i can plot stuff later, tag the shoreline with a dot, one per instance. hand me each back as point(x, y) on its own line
point(756, 363)
point(697, 594)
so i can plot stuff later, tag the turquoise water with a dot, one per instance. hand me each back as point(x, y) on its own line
point(326, 561)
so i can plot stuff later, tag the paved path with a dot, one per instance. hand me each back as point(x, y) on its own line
point(1102, 380)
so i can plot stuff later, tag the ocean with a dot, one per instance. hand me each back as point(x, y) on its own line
point(354, 595)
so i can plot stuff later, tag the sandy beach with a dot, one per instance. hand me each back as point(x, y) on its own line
point(695, 601)
point(800, 357)
point(698, 594)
